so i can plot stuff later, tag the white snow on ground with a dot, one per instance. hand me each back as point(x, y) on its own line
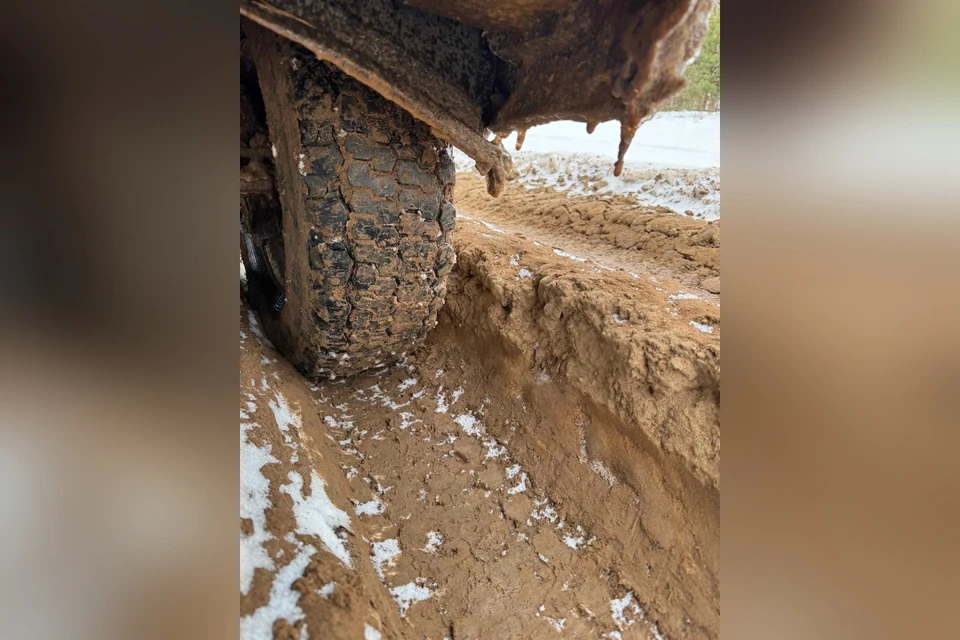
point(284, 600)
point(254, 501)
point(544, 510)
point(625, 611)
point(601, 470)
point(434, 540)
point(441, 401)
point(673, 161)
point(574, 541)
point(669, 138)
point(556, 623)
point(705, 328)
point(407, 420)
point(564, 254)
point(286, 418)
point(369, 633)
point(385, 400)
point(521, 485)
point(407, 594)
point(372, 508)
point(468, 422)
point(316, 515)
point(384, 553)
point(678, 189)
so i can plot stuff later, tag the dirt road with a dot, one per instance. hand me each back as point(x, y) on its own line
point(547, 465)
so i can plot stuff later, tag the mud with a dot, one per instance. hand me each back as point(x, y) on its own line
point(615, 228)
point(505, 66)
point(546, 465)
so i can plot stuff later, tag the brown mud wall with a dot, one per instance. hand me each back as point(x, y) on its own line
point(620, 409)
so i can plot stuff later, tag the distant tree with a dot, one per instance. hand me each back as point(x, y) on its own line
point(703, 76)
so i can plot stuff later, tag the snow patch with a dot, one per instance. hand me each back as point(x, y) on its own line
point(601, 470)
point(470, 425)
point(669, 138)
point(564, 254)
point(705, 328)
point(285, 418)
point(384, 553)
point(317, 516)
point(377, 394)
point(673, 161)
point(622, 607)
point(407, 594)
point(556, 623)
point(434, 540)
point(574, 541)
point(543, 510)
point(369, 633)
point(343, 423)
point(283, 601)
point(524, 273)
point(442, 406)
point(254, 502)
point(494, 449)
point(372, 508)
point(255, 328)
point(520, 486)
point(407, 420)
point(491, 227)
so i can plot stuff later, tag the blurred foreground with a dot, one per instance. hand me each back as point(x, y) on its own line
point(119, 320)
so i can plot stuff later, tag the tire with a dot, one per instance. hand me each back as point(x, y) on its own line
point(366, 198)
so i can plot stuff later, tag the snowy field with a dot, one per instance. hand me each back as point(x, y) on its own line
point(674, 161)
point(689, 139)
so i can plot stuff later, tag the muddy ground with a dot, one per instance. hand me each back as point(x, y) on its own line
point(547, 465)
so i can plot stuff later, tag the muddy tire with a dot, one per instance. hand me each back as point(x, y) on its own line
point(366, 197)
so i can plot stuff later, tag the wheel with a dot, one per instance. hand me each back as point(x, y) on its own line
point(356, 276)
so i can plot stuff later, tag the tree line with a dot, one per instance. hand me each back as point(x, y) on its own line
point(702, 92)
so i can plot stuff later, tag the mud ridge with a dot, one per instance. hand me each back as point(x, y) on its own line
point(668, 244)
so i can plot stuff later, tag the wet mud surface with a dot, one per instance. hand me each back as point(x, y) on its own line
point(546, 465)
